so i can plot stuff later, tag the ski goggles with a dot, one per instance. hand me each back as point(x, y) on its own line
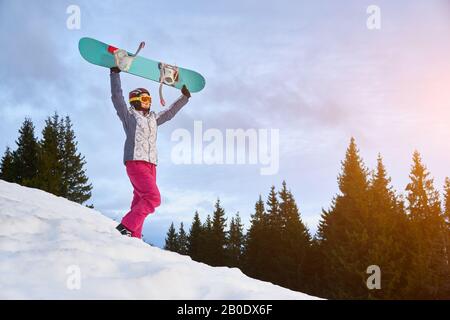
point(142, 98)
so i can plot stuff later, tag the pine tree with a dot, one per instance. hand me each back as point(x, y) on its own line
point(7, 167)
point(229, 246)
point(50, 157)
point(59, 165)
point(315, 269)
point(235, 242)
point(74, 180)
point(218, 240)
point(194, 238)
point(343, 232)
point(389, 235)
point(422, 197)
point(447, 201)
point(294, 246)
point(273, 210)
point(446, 213)
point(428, 277)
point(25, 156)
point(182, 246)
point(274, 243)
point(256, 244)
point(207, 247)
point(171, 239)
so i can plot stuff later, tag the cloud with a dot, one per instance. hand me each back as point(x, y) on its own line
point(32, 48)
point(313, 70)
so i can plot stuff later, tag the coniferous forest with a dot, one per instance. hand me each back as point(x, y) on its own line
point(405, 235)
point(51, 163)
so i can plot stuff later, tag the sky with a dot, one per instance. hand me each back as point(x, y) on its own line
point(312, 70)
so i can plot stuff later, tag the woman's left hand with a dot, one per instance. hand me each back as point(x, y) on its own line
point(185, 91)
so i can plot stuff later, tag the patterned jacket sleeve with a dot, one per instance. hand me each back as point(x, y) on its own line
point(118, 99)
point(170, 112)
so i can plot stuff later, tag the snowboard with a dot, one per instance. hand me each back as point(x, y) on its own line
point(104, 55)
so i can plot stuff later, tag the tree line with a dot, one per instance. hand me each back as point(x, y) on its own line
point(51, 163)
point(367, 224)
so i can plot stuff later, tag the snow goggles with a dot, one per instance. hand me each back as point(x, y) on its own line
point(142, 98)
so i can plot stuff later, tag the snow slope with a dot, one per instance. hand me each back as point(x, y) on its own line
point(47, 241)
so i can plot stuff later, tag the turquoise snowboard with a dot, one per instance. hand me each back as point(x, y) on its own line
point(101, 54)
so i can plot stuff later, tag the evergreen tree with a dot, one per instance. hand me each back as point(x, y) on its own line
point(59, 165)
point(218, 236)
point(274, 243)
point(429, 277)
point(182, 241)
point(229, 244)
point(273, 211)
point(25, 156)
point(235, 242)
point(50, 158)
point(256, 244)
point(389, 235)
point(74, 181)
point(171, 239)
point(281, 232)
point(294, 246)
point(207, 226)
point(7, 167)
point(207, 247)
point(447, 201)
point(343, 232)
point(194, 238)
point(423, 199)
point(446, 287)
point(314, 269)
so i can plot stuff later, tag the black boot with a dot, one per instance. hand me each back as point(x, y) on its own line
point(123, 230)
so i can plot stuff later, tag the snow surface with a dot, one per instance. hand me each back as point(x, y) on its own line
point(45, 240)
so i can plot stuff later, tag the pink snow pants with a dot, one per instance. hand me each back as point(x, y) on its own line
point(146, 196)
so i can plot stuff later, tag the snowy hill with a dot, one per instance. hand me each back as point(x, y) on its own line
point(52, 248)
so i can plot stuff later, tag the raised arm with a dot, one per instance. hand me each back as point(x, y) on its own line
point(117, 96)
point(170, 112)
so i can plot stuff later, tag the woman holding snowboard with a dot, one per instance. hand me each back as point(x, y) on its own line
point(140, 154)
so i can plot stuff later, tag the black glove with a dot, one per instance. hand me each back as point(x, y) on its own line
point(114, 70)
point(185, 91)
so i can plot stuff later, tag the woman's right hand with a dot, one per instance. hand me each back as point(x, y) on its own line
point(114, 70)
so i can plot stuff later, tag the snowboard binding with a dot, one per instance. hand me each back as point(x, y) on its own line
point(121, 57)
point(168, 75)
